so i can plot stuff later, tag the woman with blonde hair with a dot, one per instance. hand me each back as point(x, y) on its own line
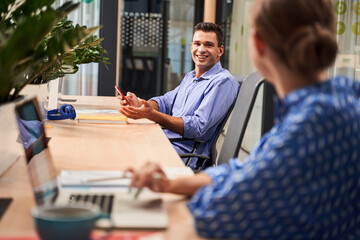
point(302, 180)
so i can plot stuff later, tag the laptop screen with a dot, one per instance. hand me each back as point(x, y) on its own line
point(41, 168)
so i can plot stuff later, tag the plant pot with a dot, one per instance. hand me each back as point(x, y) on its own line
point(41, 92)
point(10, 149)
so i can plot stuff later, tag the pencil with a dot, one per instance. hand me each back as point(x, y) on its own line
point(156, 176)
point(137, 193)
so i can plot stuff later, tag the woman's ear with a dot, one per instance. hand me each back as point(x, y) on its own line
point(258, 44)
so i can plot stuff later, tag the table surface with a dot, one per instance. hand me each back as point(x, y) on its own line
point(96, 147)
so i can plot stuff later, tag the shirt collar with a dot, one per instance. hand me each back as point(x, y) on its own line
point(208, 74)
point(293, 98)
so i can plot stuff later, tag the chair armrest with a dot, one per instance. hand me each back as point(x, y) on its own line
point(184, 155)
point(203, 161)
point(185, 139)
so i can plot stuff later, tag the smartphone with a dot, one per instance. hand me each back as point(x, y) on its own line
point(123, 96)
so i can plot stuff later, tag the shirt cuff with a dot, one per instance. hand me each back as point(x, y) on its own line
point(158, 101)
point(186, 126)
point(190, 131)
point(217, 174)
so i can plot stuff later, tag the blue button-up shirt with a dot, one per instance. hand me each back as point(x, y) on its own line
point(302, 180)
point(202, 103)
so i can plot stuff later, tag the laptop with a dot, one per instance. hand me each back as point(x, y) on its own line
point(144, 212)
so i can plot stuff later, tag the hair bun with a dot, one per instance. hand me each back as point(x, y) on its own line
point(311, 48)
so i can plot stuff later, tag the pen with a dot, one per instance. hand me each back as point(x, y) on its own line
point(122, 95)
point(156, 176)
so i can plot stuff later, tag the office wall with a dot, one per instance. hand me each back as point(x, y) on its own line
point(348, 37)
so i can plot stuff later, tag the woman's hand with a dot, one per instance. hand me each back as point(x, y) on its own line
point(154, 178)
point(150, 176)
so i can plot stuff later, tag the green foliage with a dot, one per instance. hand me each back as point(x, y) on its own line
point(37, 44)
point(70, 45)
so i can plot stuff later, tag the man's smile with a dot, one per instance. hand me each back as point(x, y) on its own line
point(201, 57)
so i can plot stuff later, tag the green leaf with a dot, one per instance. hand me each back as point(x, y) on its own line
point(27, 37)
point(4, 5)
point(32, 6)
point(38, 44)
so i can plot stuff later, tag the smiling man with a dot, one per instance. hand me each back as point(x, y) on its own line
point(198, 105)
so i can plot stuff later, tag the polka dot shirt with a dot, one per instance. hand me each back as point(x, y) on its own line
point(302, 180)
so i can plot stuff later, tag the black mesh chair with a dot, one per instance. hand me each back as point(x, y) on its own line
point(203, 161)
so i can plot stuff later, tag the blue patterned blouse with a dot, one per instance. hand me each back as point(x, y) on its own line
point(302, 181)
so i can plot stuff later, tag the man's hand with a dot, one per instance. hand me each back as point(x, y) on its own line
point(144, 110)
point(150, 176)
point(132, 98)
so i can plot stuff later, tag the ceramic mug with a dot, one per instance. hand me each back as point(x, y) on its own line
point(65, 222)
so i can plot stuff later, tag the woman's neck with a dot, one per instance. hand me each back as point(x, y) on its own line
point(286, 81)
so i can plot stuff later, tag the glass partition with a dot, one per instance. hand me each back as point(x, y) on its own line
point(155, 45)
point(239, 64)
point(181, 25)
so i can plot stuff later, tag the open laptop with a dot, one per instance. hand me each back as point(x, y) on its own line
point(145, 212)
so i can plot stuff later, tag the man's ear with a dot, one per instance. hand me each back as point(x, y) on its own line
point(221, 51)
point(259, 44)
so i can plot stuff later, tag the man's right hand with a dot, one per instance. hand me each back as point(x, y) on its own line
point(143, 111)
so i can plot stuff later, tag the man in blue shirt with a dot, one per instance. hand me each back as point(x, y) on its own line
point(198, 105)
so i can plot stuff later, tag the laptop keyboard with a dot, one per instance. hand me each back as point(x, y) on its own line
point(105, 202)
point(4, 204)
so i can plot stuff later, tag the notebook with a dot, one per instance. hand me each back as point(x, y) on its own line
point(102, 119)
point(145, 212)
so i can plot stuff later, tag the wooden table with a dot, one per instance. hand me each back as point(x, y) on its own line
point(101, 147)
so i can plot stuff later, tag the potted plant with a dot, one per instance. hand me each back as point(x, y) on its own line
point(36, 45)
point(87, 51)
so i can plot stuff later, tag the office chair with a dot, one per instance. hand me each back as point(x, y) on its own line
point(241, 112)
point(203, 161)
point(206, 161)
point(240, 118)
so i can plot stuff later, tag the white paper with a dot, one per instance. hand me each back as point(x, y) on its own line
point(78, 178)
point(53, 95)
point(96, 111)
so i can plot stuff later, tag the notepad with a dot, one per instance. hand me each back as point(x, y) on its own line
point(102, 119)
point(80, 178)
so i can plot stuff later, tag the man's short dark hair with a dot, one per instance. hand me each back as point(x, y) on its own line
point(210, 27)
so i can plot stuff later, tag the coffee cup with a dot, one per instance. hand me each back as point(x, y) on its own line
point(65, 222)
